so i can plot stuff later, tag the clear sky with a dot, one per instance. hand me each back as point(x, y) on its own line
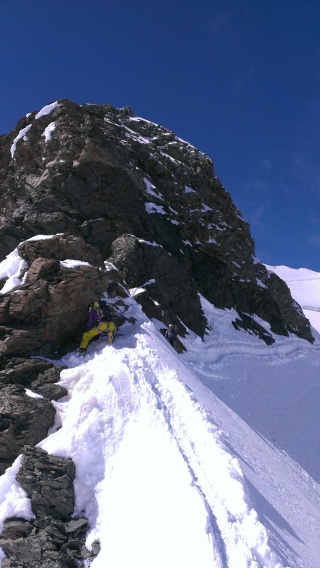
point(239, 79)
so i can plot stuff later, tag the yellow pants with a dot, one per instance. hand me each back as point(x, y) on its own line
point(88, 335)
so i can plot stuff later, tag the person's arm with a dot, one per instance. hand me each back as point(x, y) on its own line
point(91, 319)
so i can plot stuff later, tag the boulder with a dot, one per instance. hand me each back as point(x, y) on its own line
point(48, 481)
point(49, 310)
point(59, 247)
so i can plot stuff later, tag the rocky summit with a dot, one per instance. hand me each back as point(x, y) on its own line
point(139, 197)
point(96, 201)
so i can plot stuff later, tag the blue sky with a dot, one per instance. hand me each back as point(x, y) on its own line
point(239, 79)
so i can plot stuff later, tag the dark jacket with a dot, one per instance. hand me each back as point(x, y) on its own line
point(171, 333)
point(94, 319)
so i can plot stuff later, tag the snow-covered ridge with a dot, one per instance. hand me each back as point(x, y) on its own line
point(145, 452)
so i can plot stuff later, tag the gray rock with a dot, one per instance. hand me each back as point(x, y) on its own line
point(36, 374)
point(23, 420)
point(48, 480)
point(52, 539)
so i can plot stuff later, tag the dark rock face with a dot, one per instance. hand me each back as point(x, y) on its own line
point(53, 539)
point(290, 310)
point(48, 481)
point(102, 174)
point(36, 374)
point(23, 420)
point(166, 280)
point(47, 312)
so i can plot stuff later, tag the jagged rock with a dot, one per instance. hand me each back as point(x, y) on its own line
point(52, 539)
point(291, 312)
point(46, 548)
point(248, 324)
point(16, 528)
point(46, 386)
point(48, 480)
point(167, 281)
point(25, 371)
point(23, 420)
point(42, 269)
point(38, 375)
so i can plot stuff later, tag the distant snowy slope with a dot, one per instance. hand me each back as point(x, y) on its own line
point(304, 285)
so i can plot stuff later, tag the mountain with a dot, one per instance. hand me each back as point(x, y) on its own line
point(140, 454)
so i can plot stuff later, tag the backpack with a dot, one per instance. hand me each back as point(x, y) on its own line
point(105, 311)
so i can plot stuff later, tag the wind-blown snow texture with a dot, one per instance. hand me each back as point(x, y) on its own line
point(173, 471)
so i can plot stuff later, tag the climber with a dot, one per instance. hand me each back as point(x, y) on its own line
point(171, 333)
point(96, 324)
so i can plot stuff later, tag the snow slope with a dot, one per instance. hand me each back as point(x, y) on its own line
point(266, 402)
point(207, 459)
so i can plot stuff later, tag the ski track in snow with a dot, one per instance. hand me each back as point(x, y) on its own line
point(266, 402)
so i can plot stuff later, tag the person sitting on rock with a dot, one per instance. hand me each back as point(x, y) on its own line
point(171, 333)
point(96, 325)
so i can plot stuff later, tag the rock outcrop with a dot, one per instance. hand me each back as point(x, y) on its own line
point(53, 539)
point(46, 312)
point(23, 420)
point(27, 387)
point(38, 375)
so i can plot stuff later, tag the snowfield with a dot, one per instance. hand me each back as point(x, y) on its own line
point(207, 459)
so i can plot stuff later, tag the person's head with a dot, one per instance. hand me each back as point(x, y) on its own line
point(170, 326)
point(93, 306)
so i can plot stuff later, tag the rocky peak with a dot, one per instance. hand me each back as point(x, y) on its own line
point(145, 200)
